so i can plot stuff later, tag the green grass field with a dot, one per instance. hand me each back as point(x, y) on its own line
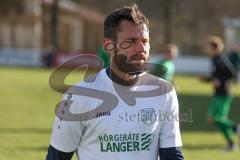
point(27, 110)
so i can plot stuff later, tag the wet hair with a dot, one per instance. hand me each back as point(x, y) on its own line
point(129, 13)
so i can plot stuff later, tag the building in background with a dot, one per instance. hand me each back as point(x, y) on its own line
point(231, 31)
point(26, 25)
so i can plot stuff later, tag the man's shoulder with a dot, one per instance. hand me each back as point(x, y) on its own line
point(151, 77)
point(152, 80)
point(84, 95)
point(90, 82)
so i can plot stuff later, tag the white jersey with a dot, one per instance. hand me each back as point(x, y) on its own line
point(139, 122)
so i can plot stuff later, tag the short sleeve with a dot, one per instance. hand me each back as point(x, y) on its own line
point(170, 131)
point(66, 135)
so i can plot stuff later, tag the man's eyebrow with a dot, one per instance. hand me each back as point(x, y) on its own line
point(133, 39)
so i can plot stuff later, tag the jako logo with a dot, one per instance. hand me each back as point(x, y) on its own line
point(99, 114)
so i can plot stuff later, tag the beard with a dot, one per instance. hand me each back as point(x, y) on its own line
point(127, 66)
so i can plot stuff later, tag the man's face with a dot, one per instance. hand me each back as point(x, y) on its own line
point(132, 51)
point(209, 50)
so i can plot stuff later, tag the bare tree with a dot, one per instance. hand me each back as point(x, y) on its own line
point(55, 33)
point(167, 20)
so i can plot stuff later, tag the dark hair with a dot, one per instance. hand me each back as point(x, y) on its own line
point(130, 13)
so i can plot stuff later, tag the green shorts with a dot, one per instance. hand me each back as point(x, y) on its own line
point(219, 107)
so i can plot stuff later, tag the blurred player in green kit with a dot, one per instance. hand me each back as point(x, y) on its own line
point(170, 53)
point(220, 104)
point(104, 57)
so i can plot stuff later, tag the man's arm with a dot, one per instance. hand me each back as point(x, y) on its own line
point(54, 154)
point(206, 78)
point(66, 135)
point(173, 153)
point(169, 138)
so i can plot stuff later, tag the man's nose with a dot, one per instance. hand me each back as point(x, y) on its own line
point(140, 47)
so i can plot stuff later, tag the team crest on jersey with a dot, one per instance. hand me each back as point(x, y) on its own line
point(148, 115)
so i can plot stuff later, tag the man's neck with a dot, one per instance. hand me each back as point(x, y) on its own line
point(126, 81)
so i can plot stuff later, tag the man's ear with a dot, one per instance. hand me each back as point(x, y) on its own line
point(109, 45)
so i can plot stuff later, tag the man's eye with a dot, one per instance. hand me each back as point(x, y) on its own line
point(134, 41)
point(144, 41)
point(126, 44)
